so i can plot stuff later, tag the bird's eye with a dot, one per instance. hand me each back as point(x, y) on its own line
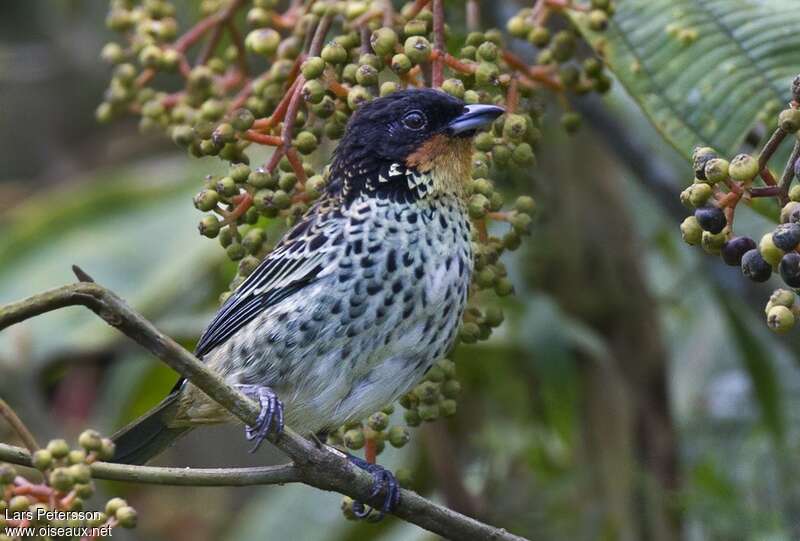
point(414, 120)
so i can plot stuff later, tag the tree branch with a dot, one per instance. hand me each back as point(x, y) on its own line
point(320, 467)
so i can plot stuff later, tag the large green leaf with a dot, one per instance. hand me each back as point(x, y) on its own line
point(711, 89)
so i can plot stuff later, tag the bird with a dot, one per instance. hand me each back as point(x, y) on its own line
point(359, 298)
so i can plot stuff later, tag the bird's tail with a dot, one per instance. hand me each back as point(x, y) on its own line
point(150, 434)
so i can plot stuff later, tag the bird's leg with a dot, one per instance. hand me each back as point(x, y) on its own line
point(271, 410)
point(383, 480)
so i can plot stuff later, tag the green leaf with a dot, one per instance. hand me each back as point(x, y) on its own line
point(709, 90)
point(757, 361)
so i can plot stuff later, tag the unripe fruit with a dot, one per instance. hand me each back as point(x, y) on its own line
point(334, 53)
point(312, 67)
point(451, 388)
point(313, 91)
point(366, 75)
point(61, 479)
point(389, 87)
point(755, 267)
point(716, 170)
point(113, 505)
point(539, 36)
point(126, 517)
point(428, 412)
point(486, 74)
point(411, 417)
point(598, 20)
point(699, 194)
point(81, 473)
point(354, 439)
point(782, 297)
point(448, 407)
point(263, 41)
point(525, 203)
point(7, 474)
point(743, 168)
point(383, 41)
point(771, 253)
point(701, 156)
point(357, 96)
point(487, 52)
point(571, 122)
point(712, 243)
point(734, 249)
point(76, 456)
point(42, 459)
point(378, 421)
point(417, 49)
point(454, 87)
point(18, 504)
point(398, 436)
point(789, 120)
point(711, 219)
point(780, 319)
point(206, 200)
point(401, 63)
point(58, 448)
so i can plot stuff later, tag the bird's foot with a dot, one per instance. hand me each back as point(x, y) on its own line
point(270, 416)
point(383, 480)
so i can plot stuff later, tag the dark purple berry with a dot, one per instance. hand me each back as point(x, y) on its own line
point(786, 236)
point(711, 219)
point(754, 266)
point(797, 168)
point(790, 269)
point(734, 249)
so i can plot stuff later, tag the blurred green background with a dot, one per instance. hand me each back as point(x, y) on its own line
point(632, 393)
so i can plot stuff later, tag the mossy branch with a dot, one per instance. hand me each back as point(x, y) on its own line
point(313, 465)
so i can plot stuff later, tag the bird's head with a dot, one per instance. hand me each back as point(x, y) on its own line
point(411, 144)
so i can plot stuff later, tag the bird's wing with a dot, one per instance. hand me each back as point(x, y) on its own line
point(296, 262)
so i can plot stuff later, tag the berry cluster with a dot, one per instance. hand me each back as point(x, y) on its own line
point(289, 79)
point(67, 484)
point(720, 185)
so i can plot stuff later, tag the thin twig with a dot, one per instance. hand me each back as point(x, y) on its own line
point(207, 477)
point(438, 43)
point(315, 466)
point(771, 145)
point(19, 427)
point(788, 173)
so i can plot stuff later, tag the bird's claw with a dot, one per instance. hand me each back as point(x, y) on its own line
point(269, 417)
point(383, 480)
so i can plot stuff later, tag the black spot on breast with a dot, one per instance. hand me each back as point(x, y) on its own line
point(283, 316)
point(338, 239)
point(373, 288)
point(391, 261)
point(419, 272)
point(366, 262)
point(408, 259)
point(358, 246)
point(412, 217)
point(442, 221)
point(397, 286)
point(344, 277)
point(372, 248)
point(408, 311)
point(337, 308)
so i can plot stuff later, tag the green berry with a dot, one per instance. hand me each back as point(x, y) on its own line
point(487, 74)
point(487, 52)
point(428, 412)
point(61, 479)
point(454, 87)
point(789, 120)
point(448, 407)
point(526, 204)
point(42, 459)
point(7, 474)
point(571, 122)
point(691, 231)
point(383, 41)
point(713, 242)
point(206, 200)
point(312, 67)
point(401, 63)
point(780, 319)
point(263, 41)
point(378, 421)
point(18, 504)
point(743, 168)
point(716, 170)
point(771, 253)
point(417, 49)
point(699, 194)
point(451, 388)
point(539, 36)
point(398, 436)
point(334, 53)
point(354, 439)
point(58, 448)
point(113, 505)
point(357, 96)
point(242, 119)
point(389, 87)
point(411, 417)
point(209, 226)
point(598, 20)
point(126, 517)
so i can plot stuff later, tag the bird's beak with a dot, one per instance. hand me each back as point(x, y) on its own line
point(474, 117)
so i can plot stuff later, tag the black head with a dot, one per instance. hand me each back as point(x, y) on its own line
point(389, 130)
